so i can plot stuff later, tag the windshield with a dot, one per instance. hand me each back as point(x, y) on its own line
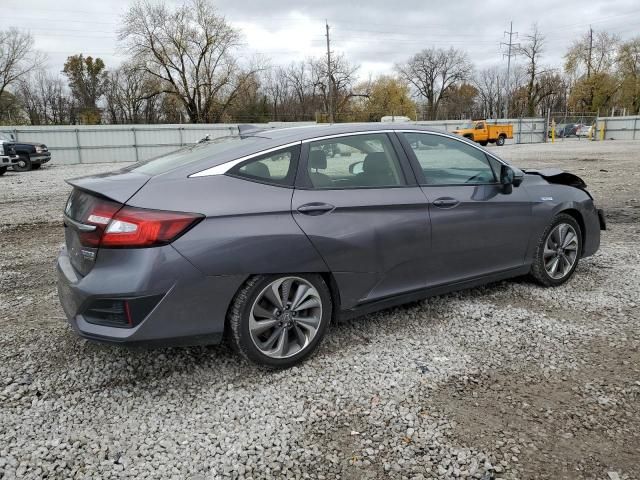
point(467, 125)
point(192, 153)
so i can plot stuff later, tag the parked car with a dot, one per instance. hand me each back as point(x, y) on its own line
point(484, 132)
point(583, 130)
point(8, 157)
point(265, 239)
point(31, 156)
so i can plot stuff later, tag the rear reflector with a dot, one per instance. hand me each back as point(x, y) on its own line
point(117, 312)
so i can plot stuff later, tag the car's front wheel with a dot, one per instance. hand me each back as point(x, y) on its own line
point(558, 251)
point(279, 320)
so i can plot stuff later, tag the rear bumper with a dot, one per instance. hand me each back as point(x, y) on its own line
point(192, 310)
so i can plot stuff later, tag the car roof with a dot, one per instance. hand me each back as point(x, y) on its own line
point(304, 132)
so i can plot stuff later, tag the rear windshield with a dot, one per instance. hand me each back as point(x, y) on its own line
point(193, 153)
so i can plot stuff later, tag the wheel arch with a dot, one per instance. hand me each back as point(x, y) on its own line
point(577, 216)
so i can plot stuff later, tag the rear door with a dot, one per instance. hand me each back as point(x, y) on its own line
point(357, 200)
point(477, 229)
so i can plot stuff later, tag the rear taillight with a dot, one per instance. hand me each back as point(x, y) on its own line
point(118, 226)
point(137, 227)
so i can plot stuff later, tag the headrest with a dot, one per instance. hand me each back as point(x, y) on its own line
point(318, 159)
point(376, 162)
point(258, 169)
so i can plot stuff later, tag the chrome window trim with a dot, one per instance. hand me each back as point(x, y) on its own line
point(225, 167)
point(350, 134)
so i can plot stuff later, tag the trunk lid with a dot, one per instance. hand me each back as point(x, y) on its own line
point(112, 191)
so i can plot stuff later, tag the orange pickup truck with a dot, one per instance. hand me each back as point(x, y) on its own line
point(483, 132)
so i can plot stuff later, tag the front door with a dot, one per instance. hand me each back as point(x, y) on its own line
point(477, 229)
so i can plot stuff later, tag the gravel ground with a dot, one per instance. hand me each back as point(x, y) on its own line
point(506, 381)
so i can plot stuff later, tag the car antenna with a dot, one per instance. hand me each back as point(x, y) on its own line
point(248, 130)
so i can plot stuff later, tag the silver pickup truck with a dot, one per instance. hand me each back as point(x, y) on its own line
point(8, 156)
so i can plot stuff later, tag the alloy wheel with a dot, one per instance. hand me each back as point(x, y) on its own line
point(560, 251)
point(285, 317)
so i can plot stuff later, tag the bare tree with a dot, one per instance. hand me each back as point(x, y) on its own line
point(17, 57)
point(433, 72)
point(45, 99)
point(190, 50)
point(539, 80)
point(130, 95)
point(491, 85)
point(592, 53)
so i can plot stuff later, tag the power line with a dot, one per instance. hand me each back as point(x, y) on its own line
point(509, 54)
point(329, 79)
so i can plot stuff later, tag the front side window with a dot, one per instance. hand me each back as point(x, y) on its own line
point(354, 161)
point(446, 161)
point(276, 167)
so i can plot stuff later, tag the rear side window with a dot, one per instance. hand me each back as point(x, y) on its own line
point(278, 168)
point(354, 161)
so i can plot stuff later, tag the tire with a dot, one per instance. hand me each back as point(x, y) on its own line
point(36, 166)
point(549, 252)
point(3, 170)
point(272, 337)
point(24, 164)
point(484, 144)
point(500, 141)
point(469, 137)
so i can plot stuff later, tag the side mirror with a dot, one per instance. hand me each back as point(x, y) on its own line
point(356, 168)
point(507, 177)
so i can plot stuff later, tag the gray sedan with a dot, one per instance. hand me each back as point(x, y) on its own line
point(266, 238)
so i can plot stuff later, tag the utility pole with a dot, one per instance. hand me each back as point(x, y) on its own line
point(329, 79)
point(510, 53)
point(590, 52)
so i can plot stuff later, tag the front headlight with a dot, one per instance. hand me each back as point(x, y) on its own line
point(1, 148)
point(40, 149)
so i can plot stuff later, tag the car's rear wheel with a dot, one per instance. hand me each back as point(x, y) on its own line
point(500, 141)
point(23, 164)
point(3, 170)
point(279, 320)
point(558, 251)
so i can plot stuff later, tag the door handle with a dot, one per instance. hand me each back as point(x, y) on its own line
point(445, 202)
point(315, 208)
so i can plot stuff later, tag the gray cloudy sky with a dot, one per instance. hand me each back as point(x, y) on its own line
point(375, 34)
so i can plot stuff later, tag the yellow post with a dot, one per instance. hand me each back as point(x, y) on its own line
point(602, 129)
point(553, 131)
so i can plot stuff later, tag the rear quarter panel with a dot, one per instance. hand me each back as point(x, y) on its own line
point(248, 226)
